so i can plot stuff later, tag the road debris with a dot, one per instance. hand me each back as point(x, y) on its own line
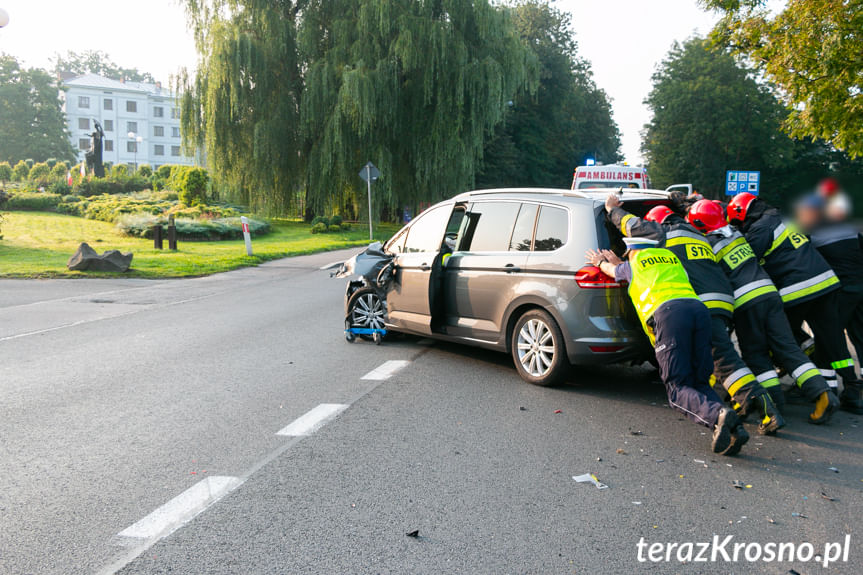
point(636, 433)
point(833, 469)
point(740, 485)
point(620, 451)
point(800, 515)
point(590, 478)
point(827, 497)
point(771, 521)
point(522, 408)
point(415, 534)
point(558, 411)
point(636, 502)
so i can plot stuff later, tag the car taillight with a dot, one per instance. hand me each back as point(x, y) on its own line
point(604, 348)
point(591, 277)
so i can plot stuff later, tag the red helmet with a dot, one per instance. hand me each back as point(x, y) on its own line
point(658, 214)
point(706, 215)
point(739, 205)
point(827, 187)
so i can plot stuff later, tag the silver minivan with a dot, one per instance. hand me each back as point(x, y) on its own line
point(505, 270)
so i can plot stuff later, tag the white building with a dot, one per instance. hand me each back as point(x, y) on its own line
point(150, 113)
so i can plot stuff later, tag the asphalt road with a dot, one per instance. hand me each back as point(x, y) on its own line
point(139, 434)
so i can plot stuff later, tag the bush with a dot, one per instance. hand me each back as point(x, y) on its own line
point(20, 171)
point(119, 171)
point(51, 162)
point(164, 172)
point(5, 172)
point(334, 228)
point(70, 199)
point(319, 228)
point(39, 173)
point(144, 171)
point(346, 227)
point(29, 162)
point(112, 185)
point(192, 186)
point(59, 170)
point(36, 201)
point(320, 220)
point(141, 225)
point(336, 220)
point(60, 187)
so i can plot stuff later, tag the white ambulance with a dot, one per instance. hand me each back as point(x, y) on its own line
point(610, 176)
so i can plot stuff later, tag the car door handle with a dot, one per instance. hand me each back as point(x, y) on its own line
point(509, 268)
point(425, 267)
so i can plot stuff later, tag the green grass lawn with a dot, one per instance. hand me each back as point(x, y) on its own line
point(38, 244)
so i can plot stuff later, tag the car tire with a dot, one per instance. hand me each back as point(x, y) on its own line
point(538, 349)
point(366, 309)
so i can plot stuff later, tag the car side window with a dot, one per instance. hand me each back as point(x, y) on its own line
point(522, 234)
point(489, 227)
point(397, 244)
point(427, 231)
point(552, 229)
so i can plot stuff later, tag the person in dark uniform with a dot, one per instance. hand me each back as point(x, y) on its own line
point(762, 326)
point(714, 289)
point(841, 245)
point(678, 325)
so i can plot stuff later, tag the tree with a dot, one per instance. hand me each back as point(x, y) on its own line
point(97, 62)
point(709, 116)
point(550, 132)
point(5, 172)
point(292, 98)
point(20, 171)
point(812, 51)
point(192, 186)
point(32, 121)
point(59, 171)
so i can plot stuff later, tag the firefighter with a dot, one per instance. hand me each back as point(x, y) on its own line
point(678, 326)
point(714, 289)
point(842, 246)
point(762, 326)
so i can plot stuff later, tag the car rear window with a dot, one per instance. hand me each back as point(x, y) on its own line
point(552, 229)
point(522, 234)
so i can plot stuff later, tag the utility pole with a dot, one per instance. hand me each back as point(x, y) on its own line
point(370, 173)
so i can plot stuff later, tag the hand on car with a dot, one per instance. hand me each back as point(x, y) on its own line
point(611, 257)
point(595, 257)
point(612, 201)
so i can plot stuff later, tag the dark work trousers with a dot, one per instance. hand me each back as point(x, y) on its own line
point(682, 329)
point(823, 317)
point(733, 376)
point(851, 313)
point(763, 329)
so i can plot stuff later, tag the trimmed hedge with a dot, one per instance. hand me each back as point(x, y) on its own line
point(35, 201)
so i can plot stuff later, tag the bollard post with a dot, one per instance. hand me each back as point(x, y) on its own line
point(172, 234)
point(246, 235)
point(157, 236)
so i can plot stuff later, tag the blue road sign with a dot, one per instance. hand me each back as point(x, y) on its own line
point(737, 182)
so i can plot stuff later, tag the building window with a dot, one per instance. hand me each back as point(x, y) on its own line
point(131, 146)
point(159, 131)
point(109, 145)
point(84, 143)
point(83, 123)
point(109, 126)
point(131, 106)
point(158, 112)
point(108, 104)
point(158, 150)
point(175, 113)
point(175, 151)
point(132, 127)
point(83, 101)
point(175, 132)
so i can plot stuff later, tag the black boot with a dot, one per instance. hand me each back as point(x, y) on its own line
point(728, 435)
point(777, 396)
point(770, 420)
point(852, 397)
point(825, 405)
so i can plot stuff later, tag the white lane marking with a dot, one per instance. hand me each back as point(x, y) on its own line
point(313, 420)
point(182, 508)
point(386, 370)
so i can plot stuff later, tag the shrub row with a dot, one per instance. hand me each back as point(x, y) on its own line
point(322, 225)
point(141, 225)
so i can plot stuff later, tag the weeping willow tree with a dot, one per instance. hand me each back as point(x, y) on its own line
point(415, 86)
point(242, 106)
point(294, 97)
